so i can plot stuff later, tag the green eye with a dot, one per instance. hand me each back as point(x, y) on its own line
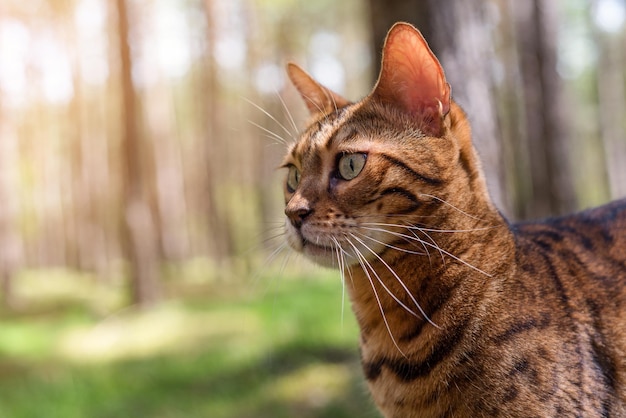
point(293, 179)
point(350, 165)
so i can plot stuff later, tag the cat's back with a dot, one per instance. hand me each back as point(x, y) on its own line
point(582, 256)
point(589, 246)
point(571, 274)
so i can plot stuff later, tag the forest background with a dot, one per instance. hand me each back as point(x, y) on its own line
point(141, 261)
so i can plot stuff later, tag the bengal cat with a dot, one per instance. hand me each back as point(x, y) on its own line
point(461, 313)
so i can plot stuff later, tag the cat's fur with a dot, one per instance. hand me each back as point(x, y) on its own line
point(461, 313)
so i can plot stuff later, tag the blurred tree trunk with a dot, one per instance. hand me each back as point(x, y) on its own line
point(221, 245)
point(612, 107)
point(138, 231)
point(546, 135)
point(170, 190)
point(11, 245)
point(460, 35)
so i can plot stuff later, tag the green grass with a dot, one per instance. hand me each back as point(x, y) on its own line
point(275, 349)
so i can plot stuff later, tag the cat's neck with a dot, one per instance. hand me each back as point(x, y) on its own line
point(404, 294)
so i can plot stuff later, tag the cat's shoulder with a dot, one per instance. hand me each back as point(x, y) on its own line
point(600, 226)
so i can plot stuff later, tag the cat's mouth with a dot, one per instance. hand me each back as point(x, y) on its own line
point(319, 249)
point(316, 250)
point(337, 249)
point(334, 254)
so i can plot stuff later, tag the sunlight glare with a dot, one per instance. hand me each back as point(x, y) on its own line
point(90, 20)
point(609, 15)
point(269, 78)
point(14, 41)
point(326, 68)
point(54, 67)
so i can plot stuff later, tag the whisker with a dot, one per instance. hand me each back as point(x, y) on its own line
point(270, 134)
point(436, 246)
point(288, 112)
point(431, 229)
point(364, 265)
point(408, 238)
point(270, 116)
point(430, 260)
point(449, 254)
point(452, 206)
point(341, 264)
point(406, 289)
point(270, 259)
point(393, 247)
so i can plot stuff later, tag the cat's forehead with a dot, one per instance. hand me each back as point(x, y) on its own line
point(324, 133)
point(354, 128)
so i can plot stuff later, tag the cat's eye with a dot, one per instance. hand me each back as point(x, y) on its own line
point(293, 179)
point(350, 165)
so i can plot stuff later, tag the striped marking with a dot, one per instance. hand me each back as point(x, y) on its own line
point(406, 370)
point(417, 176)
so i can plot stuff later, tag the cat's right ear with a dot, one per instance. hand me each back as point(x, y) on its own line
point(412, 79)
point(318, 99)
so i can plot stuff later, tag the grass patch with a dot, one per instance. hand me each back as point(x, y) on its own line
point(282, 350)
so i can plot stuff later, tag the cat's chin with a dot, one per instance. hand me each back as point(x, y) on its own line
point(325, 256)
point(319, 254)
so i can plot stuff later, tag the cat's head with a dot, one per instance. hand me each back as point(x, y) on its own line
point(366, 180)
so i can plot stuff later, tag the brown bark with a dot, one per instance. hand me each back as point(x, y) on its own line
point(11, 245)
point(216, 154)
point(138, 232)
point(612, 108)
point(544, 110)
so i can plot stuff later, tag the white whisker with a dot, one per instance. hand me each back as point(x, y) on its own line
point(271, 117)
point(438, 248)
point(406, 289)
point(430, 229)
point(432, 240)
point(341, 264)
point(364, 265)
point(289, 115)
point(451, 205)
point(270, 134)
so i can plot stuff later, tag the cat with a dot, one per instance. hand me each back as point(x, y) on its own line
point(461, 313)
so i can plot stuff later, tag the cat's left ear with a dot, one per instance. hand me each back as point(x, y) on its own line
point(318, 99)
point(412, 79)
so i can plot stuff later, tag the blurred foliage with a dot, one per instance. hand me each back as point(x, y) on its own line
point(282, 349)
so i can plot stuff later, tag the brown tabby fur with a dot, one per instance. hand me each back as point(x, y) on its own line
point(461, 313)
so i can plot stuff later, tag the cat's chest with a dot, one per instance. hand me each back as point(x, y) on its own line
point(397, 394)
point(402, 385)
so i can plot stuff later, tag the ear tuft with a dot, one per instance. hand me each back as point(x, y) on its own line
point(412, 78)
point(318, 99)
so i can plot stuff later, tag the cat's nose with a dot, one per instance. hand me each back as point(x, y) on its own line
point(298, 212)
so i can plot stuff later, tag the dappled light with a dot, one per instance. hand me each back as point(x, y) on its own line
point(168, 329)
point(231, 356)
point(143, 264)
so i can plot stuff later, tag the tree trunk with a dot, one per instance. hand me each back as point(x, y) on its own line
point(138, 232)
point(544, 107)
point(460, 35)
point(11, 245)
point(221, 245)
point(612, 108)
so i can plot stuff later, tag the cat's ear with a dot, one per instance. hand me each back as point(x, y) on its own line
point(412, 78)
point(318, 99)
